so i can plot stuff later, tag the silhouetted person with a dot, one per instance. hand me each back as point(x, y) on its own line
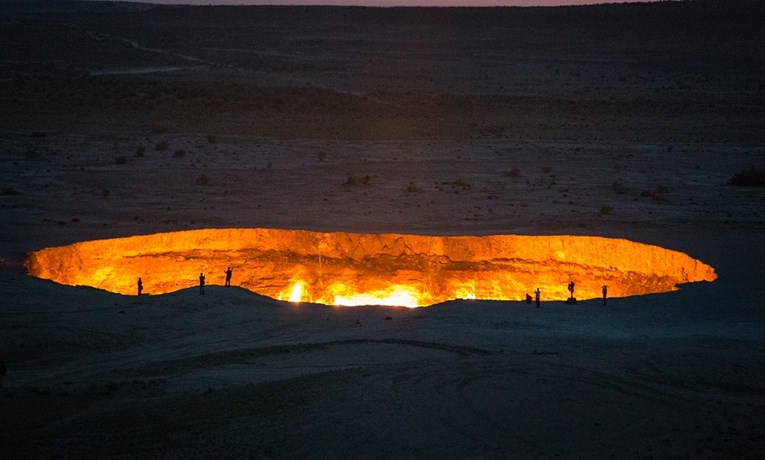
point(571, 299)
point(2, 373)
point(605, 293)
point(537, 293)
point(528, 298)
point(228, 276)
point(201, 283)
point(140, 286)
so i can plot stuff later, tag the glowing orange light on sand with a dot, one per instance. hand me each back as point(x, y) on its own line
point(382, 269)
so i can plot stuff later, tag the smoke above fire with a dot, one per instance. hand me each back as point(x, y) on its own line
point(340, 268)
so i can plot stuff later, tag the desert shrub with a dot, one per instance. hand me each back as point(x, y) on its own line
point(202, 180)
point(211, 139)
point(459, 183)
point(38, 134)
point(105, 192)
point(32, 152)
point(618, 187)
point(546, 169)
point(139, 151)
point(180, 153)
point(162, 145)
point(9, 191)
point(605, 210)
point(120, 160)
point(159, 130)
point(411, 188)
point(355, 180)
point(514, 172)
point(751, 177)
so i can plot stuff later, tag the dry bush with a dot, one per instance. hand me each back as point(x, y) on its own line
point(162, 145)
point(459, 183)
point(180, 153)
point(32, 152)
point(202, 180)
point(751, 177)
point(355, 180)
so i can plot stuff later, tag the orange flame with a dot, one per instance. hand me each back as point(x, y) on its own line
point(295, 293)
point(383, 269)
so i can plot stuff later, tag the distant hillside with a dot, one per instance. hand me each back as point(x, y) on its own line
point(68, 6)
point(756, 7)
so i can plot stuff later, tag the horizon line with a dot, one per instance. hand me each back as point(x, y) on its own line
point(398, 3)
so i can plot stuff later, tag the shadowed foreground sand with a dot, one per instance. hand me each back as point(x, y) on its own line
point(233, 374)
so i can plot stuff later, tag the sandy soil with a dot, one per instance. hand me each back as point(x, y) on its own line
point(460, 133)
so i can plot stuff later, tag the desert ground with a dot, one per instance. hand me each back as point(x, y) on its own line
point(624, 121)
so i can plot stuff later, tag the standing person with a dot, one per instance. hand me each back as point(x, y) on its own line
point(536, 296)
point(140, 286)
point(605, 293)
point(571, 288)
point(228, 276)
point(201, 283)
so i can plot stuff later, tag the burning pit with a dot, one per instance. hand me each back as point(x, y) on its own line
point(363, 269)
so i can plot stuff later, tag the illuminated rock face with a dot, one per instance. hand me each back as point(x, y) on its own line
point(357, 269)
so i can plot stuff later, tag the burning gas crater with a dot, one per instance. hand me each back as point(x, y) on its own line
point(371, 269)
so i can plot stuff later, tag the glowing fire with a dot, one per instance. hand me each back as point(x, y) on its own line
point(381, 269)
point(296, 293)
point(404, 296)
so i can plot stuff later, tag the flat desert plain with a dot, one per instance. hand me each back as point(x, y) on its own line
point(622, 121)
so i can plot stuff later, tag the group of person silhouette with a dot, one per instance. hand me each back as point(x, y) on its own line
point(571, 299)
point(228, 273)
point(537, 292)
